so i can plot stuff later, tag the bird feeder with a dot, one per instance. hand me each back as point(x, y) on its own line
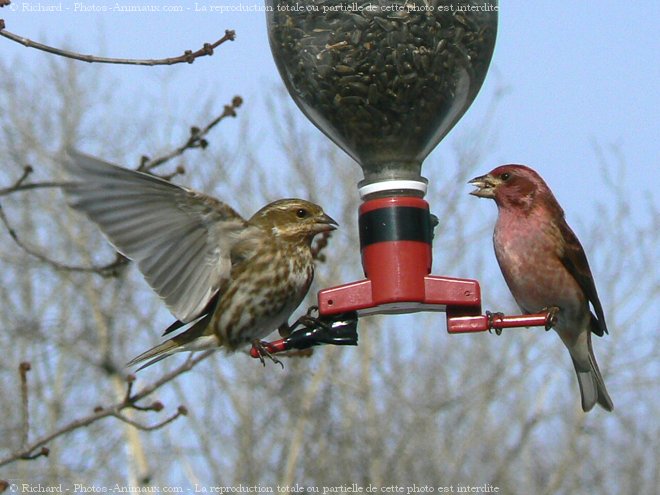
point(386, 80)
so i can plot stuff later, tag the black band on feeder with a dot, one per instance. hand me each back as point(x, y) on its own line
point(398, 223)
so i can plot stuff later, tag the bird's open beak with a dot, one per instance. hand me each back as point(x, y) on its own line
point(485, 186)
point(325, 223)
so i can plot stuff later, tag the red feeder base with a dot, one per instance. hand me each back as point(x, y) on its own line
point(395, 240)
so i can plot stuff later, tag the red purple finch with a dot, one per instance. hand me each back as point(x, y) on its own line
point(545, 267)
point(233, 280)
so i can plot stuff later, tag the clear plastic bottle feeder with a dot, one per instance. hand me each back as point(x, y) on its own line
point(386, 80)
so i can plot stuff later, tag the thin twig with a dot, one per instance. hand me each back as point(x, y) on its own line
point(180, 170)
point(188, 56)
point(155, 406)
point(27, 170)
point(196, 138)
point(23, 369)
point(43, 452)
point(32, 185)
point(28, 452)
point(181, 411)
point(130, 381)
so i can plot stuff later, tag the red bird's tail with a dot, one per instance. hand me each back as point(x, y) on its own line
point(592, 386)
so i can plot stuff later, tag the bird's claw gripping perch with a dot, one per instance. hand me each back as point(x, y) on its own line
point(491, 322)
point(308, 321)
point(339, 329)
point(261, 349)
point(551, 318)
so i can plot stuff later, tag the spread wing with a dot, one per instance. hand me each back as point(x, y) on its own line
point(180, 239)
point(575, 261)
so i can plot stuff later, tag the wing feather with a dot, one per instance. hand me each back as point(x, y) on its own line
point(575, 260)
point(181, 240)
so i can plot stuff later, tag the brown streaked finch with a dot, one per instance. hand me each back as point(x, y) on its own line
point(546, 268)
point(232, 280)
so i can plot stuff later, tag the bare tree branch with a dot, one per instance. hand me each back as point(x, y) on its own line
point(196, 139)
point(188, 56)
point(107, 270)
point(27, 452)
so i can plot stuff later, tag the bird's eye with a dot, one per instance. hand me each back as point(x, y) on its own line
point(505, 176)
point(301, 213)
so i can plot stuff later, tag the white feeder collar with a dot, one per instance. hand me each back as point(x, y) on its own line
point(389, 185)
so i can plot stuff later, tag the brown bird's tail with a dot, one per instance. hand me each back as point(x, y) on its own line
point(158, 353)
point(592, 386)
point(193, 339)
